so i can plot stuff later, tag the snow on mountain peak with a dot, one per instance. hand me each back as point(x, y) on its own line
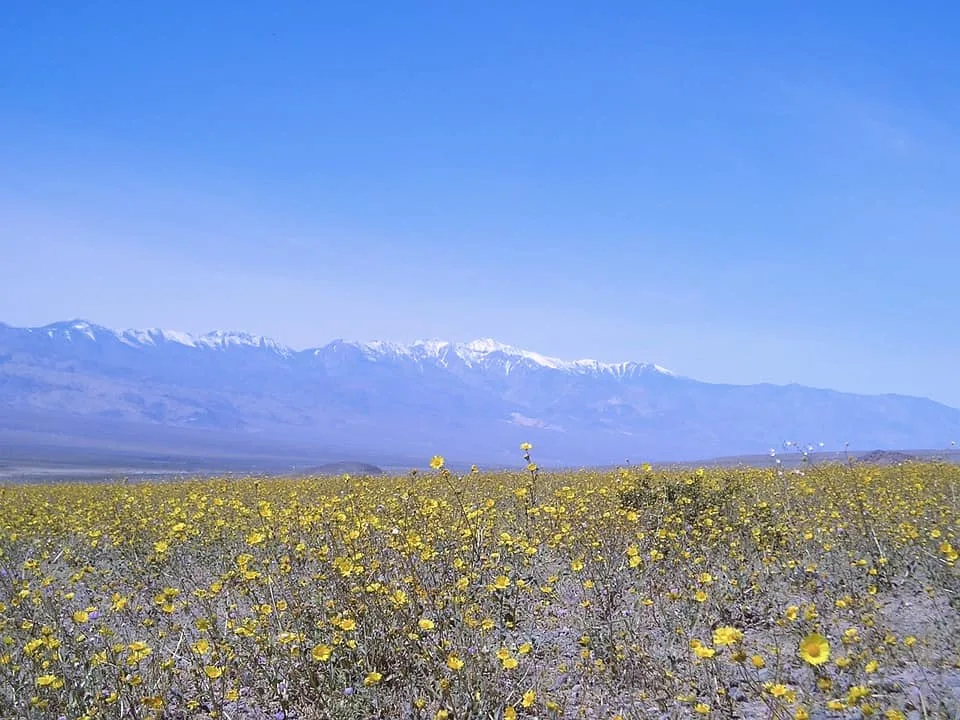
point(155, 336)
point(222, 339)
point(84, 329)
point(218, 339)
point(487, 352)
point(489, 345)
point(431, 347)
point(175, 336)
point(378, 349)
point(72, 328)
point(479, 349)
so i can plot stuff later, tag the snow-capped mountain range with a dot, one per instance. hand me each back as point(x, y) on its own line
point(81, 330)
point(489, 353)
point(476, 400)
point(478, 353)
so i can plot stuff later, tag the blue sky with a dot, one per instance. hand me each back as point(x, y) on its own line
point(737, 191)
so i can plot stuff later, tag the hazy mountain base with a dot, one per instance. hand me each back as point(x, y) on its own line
point(24, 459)
point(56, 447)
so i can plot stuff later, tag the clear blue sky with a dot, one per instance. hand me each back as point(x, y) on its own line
point(737, 191)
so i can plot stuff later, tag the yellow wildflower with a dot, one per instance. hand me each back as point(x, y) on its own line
point(727, 635)
point(814, 649)
point(372, 678)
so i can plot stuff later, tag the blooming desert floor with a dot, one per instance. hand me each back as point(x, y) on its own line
point(829, 593)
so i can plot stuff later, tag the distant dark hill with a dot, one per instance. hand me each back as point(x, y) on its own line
point(886, 457)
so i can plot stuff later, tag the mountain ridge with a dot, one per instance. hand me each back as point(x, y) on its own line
point(476, 400)
point(472, 351)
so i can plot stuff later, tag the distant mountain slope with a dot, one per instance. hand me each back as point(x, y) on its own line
point(474, 401)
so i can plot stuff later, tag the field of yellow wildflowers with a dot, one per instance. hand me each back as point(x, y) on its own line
point(636, 593)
